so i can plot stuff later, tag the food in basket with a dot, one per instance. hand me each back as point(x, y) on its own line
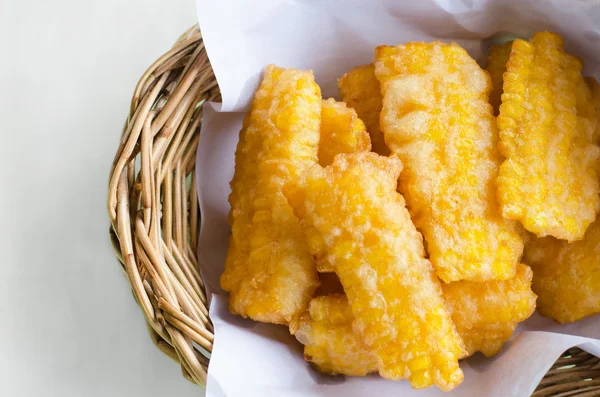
point(341, 131)
point(352, 214)
point(497, 59)
point(269, 271)
point(308, 195)
point(566, 276)
point(437, 119)
point(487, 313)
point(547, 180)
point(360, 89)
point(329, 342)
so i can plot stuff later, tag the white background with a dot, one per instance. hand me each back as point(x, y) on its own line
point(68, 323)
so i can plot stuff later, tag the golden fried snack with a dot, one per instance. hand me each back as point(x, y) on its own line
point(352, 215)
point(359, 88)
point(487, 339)
point(341, 131)
point(437, 118)
point(334, 348)
point(547, 181)
point(325, 330)
point(269, 270)
point(497, 59)
point(485, 314)
point(566, 276)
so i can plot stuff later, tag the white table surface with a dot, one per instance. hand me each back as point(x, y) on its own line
point(68, 323)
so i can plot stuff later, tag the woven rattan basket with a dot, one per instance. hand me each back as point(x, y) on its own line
point(154, 217)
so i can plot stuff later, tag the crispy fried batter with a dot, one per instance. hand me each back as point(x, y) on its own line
point(352, 214)
point(547, 181)
point(329, 342)
point(566, 276)
point(359, 88)
point(497, 59)
point(437, 118)
point(485, 314)
point(487, 339)
point(341, 131)
point(269, 270)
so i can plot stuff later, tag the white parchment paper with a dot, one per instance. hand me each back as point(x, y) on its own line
point(330, 37)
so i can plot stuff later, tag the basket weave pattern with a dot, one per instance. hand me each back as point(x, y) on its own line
point(154, 217)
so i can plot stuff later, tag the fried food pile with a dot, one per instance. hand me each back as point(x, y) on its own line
point(386, 230)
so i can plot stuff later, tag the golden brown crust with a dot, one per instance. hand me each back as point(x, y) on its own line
point(437, 119)
point(353, 215)
point(548, 181)
point(359, 88)
point(269, 271)
point(566, 276)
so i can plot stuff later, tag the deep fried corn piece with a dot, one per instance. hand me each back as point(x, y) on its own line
point(486, 314)
point(359, 88)
point(353, 215)
point(329, 342)
point(341, 131)
point(269, 271)
point(566, 276)
point(437, 118)
point(497, 59)
point(487, 339)
point(547, 181)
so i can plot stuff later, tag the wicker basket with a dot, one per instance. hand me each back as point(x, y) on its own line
point(154, 217)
